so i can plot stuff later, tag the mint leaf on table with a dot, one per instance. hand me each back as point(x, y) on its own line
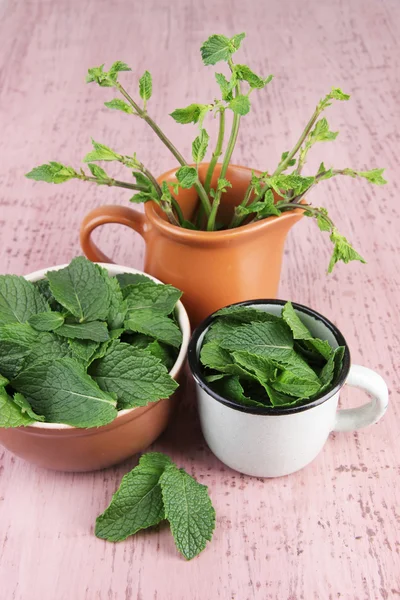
point(19, 300)
point(11, 414)
point(188, 509)
point(47, 321)
point(134, 375)
point(138, 503)
point(62, 391)
point(95, 331)
point(156, 325)
point(158, 298)
point(81, 289)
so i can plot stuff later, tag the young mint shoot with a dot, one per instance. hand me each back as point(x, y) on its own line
point(273, 193)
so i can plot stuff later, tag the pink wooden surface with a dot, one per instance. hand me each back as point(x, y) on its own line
point(332, 530)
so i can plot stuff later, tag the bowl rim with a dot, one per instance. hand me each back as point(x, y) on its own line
point(194, 362)
point(184, 324)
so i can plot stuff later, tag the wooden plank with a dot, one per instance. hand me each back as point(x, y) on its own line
point(330, 531)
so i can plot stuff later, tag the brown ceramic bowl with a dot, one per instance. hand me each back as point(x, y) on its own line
point(65, 448)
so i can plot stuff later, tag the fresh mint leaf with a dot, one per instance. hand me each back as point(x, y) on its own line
point(271, 339)
point(62, 391)
point(262, 208)
point(26, 408)
point(244, 73)
point(199, 146)
point(145, 86)
point(106, 78)
point(3, 381)
point(156, 325)
point(138, 502)
point(220, 48)
point(291, 385)
point(299, 330)
point(150, 295)
point(83, 350)
point(215, 357)
point(118, 67)
point(118, 104)
point(164, 353)
point(240, 105)
point(101, 152)
point(245, 314)
point(95, 331)
point(263, 368)
point(374, 176)
point(12, 357)
point(190, 114)
point(53, 172)
point(187, 177)
point(117, 313)
point(11, 415)
point(19, 300)
point(135, 375)
point(342, 250)
point(278, 399)
point(231, 388)
point(188, 509)
point(46, 321)
point(125, 279)
point(98, 171)
point(81, 289)
point(338, 94)
point(226, 86)
point(44, 288)
point(332, 368)
point(291, 162)
point(321, 132)
point(48, 346)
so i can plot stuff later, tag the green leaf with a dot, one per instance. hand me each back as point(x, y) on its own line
point(12, 357)
point(374, 176)
point(98, 171)
point(278, 399)
point(11, 414)
point(321, 132)
point(187, 177)
point(81, 289)
point(297, 183)
point(223, 184)
point(323, 221)
point(138, 502)
point(292, 385)
point(143, 197)
point(125, 279)
point(145, 86)
point(331, 368)
point(150, 295)
point(26, 408)
point(158, 326)
point(262, 208)
point(263, 368)
point(96, 331)
point(199, 146)
point(338, 94)
point(291, 162)
point(43, 287)
point(240, 105)
point(342, 250)
point(244, 73)
point(83, 350)
point(62, 391)
point(101, 152)
point(46, 321)
point(299, 330)
point(106, 78)
point(48, 346)
point(136, 376)
point(245, 314)
point(3, 381)
point(19, 300)
point(118, 307)
point(220, 48)
point(231, 388)
point(53, 172)
point(271, 339)
point(188, 509)
point(190, 114)
point(119, 66)
point(226, 86)
point(215, 357)
point(118, 104)
point(164, 353)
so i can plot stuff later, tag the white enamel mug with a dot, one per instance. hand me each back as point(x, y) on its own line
point(270, 442)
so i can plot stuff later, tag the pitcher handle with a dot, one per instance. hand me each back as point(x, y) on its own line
point(103, 215)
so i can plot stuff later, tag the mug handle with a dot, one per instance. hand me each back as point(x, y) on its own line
point(103, 215)
point(369, 413)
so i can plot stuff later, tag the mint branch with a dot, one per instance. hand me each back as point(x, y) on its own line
point(218, 150)
point(144, 115)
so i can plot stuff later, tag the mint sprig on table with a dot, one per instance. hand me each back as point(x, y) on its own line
point(258, 359)
point(79, 346)
point(154, 491)
point(270, 194)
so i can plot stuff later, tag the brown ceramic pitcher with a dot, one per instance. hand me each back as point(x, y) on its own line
point(215, 268)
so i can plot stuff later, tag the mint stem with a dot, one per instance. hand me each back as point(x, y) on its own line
point(113, 182)
point(143, 115)
point(217, 152)
point(236, 219)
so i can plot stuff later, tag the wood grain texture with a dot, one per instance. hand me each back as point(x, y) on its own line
point(332, 530)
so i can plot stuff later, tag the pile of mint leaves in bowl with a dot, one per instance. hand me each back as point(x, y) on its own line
point(268, 375)
point(90, 360)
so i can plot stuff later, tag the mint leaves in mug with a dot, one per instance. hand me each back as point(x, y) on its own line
point(79, 346)
point(154, 491)
point(258, 359)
